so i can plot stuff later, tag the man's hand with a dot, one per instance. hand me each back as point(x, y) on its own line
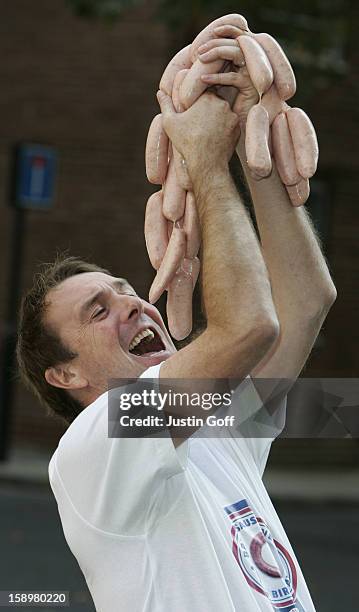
point(227, 49)
point(206, 134)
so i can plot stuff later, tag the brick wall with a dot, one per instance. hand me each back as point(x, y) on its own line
point(88, 89)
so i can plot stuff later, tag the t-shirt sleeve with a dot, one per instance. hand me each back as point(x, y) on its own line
point(258, 423)
point(113, 483)
point(255, 426)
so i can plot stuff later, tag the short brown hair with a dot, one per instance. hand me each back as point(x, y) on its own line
point(39, 347)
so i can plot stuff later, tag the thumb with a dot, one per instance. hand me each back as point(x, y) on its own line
point(166, 105)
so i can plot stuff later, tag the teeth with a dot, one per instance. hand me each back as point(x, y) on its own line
point(137, 339)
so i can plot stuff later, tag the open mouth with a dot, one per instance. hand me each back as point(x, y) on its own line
point(147, 341)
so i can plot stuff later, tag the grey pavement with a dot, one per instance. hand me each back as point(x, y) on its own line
point(35, 556)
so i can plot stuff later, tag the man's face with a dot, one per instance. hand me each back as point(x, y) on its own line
point(100, 317)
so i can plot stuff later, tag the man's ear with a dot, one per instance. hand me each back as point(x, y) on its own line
point(65, 376)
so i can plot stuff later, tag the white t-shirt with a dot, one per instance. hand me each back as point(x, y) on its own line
point(159, 529)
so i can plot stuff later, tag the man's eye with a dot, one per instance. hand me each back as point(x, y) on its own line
point(98, 312)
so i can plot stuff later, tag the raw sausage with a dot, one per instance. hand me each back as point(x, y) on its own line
point(284, 78)
point(179, 305)
point(256, 142)
point(299, 193)
point(183, 177)
point(258, 65)
point(181, 60)
point(272, 103)
point(155, 229)
point(180, 164)
point(175, 90)
point(284, 151)
point(191, 226)
point(156, 152)
point(192, 85)
point(304, 141)
point(174, 253)
point(191, 266)
point(233, 19)
point(174, 196)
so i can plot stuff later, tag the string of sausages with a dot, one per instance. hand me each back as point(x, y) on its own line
point(272, 128)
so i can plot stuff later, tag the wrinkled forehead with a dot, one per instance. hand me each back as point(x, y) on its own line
point(74, 290)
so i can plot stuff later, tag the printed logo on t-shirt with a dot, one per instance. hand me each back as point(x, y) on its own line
point(267, 566)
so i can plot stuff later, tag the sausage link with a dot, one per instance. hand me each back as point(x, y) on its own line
point(191, 266)
point(183, 177)
point(155, 229)
point(257, 63)
point(156, 152)
point(299, 193)
point(192, 86)
point(180, 61)
point(174, 196)
point(304, 141)
point(207, 33)
point(170, 225)
point(256, 142)
point(284, 78)
point(175, 89)
point(180, 164)
point(272, 103)
point(175, 252)
point(284, 151)
point(191, 226)
point(179, 305)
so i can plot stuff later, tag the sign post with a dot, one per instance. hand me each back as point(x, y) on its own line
point(33, 189)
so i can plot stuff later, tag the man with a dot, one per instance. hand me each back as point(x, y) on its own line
point(181, 526)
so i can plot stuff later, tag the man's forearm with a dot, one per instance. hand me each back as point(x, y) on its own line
point(301, 283)
point(236, 287)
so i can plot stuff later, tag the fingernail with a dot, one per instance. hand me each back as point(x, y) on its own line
point(202, 47)
point(206, 77)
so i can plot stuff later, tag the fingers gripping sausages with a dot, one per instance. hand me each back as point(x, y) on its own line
point(172, 229)
point(304, 141)
point(256, 142)
point(208, 33)
point(155, 229)
point(156, 152)
point(192, 86)
point(171, 261)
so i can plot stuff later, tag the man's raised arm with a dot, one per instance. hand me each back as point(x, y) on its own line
point(241, 320)
point(303, 291)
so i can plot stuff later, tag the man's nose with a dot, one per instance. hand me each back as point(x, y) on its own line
point(130, 308)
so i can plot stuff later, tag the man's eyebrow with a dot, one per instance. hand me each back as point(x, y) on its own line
point(119, 283)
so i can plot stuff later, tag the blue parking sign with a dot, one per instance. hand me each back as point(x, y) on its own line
point(35, 176)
